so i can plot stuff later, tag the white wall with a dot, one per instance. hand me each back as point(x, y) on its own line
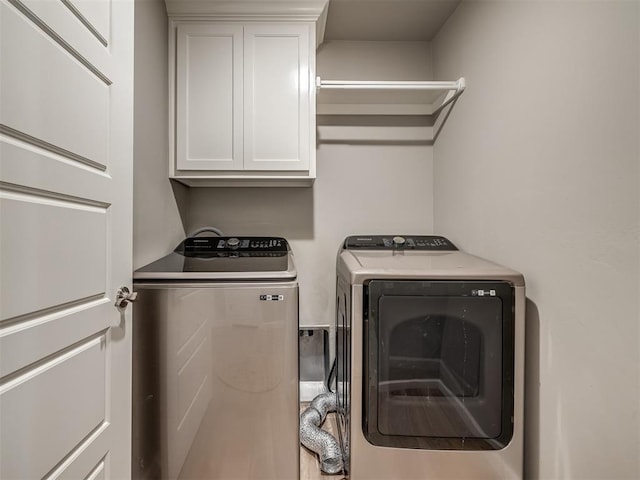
point(538, 168)
point(157, 228)
point(359, 60)
point(361, 187)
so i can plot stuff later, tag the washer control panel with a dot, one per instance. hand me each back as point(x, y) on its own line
point(223, 246)
point(398, 242)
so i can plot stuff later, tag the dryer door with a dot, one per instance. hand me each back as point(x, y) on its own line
point(439, 362)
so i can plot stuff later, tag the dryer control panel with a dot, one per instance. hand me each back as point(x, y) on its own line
point(398, 242)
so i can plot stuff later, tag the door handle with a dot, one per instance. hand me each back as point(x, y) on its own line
point(123, 297)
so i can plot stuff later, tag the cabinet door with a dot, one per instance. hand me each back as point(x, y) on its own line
point(209, 97)
point(277, 97)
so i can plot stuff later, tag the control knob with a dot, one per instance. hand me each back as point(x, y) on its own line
point(398, 242)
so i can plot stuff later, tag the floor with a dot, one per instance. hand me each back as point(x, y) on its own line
point(309, 464)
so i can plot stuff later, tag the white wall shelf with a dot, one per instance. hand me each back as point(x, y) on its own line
point(345, 97)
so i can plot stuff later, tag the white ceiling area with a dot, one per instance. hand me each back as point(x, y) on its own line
point(387, 20)
point(358, 20)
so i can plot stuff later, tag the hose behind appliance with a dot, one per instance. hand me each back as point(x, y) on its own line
point(317, 440)
point(215, 230)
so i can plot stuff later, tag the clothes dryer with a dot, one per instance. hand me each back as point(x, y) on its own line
point(430, 361)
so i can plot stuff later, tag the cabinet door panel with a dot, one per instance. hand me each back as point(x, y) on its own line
point(277, 97)
point(209, 97)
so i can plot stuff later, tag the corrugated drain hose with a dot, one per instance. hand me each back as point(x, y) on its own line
point(215, 230)
point(317, 440)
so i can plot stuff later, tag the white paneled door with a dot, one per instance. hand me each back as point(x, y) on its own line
point(66, 152)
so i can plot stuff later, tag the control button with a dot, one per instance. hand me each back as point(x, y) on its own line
point(233, 243)
point(398, 241)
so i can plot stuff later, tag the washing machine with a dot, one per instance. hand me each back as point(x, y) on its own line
point(430, 361)
point(215, 362)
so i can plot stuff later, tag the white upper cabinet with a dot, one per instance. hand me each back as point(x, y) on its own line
point(243, 100)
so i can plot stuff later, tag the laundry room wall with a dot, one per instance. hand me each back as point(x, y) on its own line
point(363, 187)
point(157, 226)
point(538, 169)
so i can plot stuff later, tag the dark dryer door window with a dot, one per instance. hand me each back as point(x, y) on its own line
point(439, 363)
